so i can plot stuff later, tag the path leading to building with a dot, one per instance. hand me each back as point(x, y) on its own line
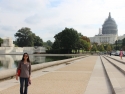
point(70, 79)
point(98, 83)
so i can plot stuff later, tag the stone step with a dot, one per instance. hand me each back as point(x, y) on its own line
point(117, 59)
point(120, 66)
point(115, 77)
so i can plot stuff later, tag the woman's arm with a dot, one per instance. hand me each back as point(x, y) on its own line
point(29, 70)
point(19, 66)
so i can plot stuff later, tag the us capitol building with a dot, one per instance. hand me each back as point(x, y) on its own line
point(108, 34)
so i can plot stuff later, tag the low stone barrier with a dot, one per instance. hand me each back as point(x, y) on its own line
point(9, 73)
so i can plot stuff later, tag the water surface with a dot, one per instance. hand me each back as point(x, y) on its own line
point(11, 61)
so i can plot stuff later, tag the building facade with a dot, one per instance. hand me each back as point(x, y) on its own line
point(7, 42)
point(108, 34)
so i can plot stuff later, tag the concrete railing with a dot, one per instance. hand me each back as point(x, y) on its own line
point(11, 72)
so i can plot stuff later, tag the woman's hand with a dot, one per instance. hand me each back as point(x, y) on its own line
point(29, 78)
point(16, 77)
point(29, 83)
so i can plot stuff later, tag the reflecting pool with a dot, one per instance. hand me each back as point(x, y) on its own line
point(11, 61)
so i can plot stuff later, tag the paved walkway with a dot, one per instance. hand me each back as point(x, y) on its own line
point(98, 83)
point(68, 79)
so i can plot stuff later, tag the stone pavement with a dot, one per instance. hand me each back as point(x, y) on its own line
point(98, 83)
point(68, 79)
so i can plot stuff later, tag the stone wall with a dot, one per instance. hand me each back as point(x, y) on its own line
point(20, 50)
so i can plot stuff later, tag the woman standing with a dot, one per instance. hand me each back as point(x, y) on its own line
point(25, 67)
point(121, 54)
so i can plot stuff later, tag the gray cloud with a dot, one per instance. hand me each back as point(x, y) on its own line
point(21, 6)
point(48, 17)
point(7, 28)
point(33, 19)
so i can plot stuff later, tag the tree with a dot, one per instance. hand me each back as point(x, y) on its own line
point(101, 48)
point(67, 39)
point(1, 41)
point(24, 37)
point(85, 38)
point(108, 48)
point(80, 35)
point(38, 41)
point(112, 47)
point(49, 43)
point(123, 47)
point(94, 48)
point(123, 42)
point(86, 42)
point(15, 43)
point(118, 45)
point(85, 45)
point(56, 45)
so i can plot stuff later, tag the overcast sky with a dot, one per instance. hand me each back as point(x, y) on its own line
point(49, 17)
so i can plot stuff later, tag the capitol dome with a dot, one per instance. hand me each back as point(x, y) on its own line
point(109, 26)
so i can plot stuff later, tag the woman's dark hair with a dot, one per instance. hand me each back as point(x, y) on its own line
point(27, 58)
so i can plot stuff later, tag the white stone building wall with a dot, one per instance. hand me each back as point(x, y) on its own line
point(20, 50)
point(7, 42)
point(8, 47)
point(107, 38)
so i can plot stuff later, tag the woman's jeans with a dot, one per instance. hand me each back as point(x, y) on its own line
point(23, 81)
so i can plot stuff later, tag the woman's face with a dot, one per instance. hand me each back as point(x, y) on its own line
point(25, 56)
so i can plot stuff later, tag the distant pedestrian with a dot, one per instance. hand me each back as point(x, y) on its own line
point(110, 53)
point(25, 71)
point(121, 54)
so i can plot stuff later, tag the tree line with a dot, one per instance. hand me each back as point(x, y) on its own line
point(24, 37)
point(69, 40)
point(66, 41)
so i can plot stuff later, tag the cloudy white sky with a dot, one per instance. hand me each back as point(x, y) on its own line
point(49, 17)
